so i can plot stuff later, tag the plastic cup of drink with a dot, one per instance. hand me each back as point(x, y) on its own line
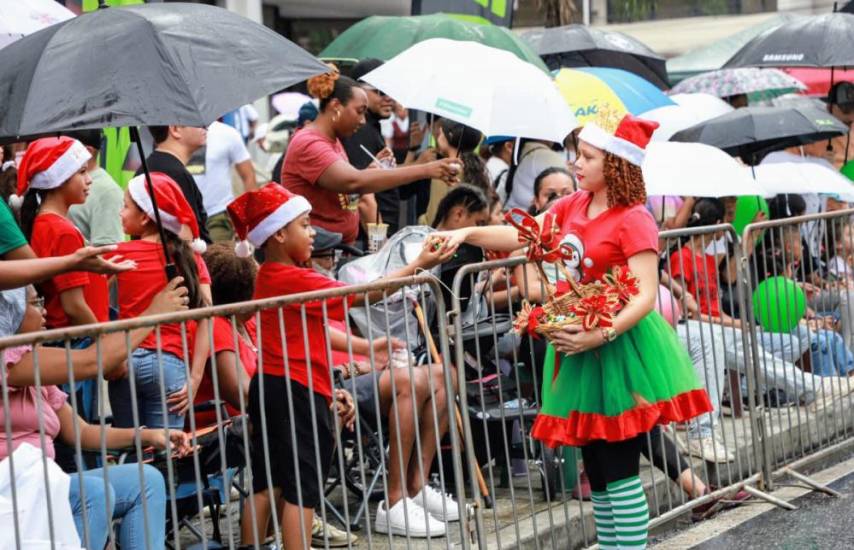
point(377, 235)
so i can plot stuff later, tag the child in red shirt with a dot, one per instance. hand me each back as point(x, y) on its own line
point(295, 379)
point(695, 270)
point(53, 177)
point(160, 359)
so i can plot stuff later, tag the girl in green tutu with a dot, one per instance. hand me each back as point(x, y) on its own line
point(607, 385)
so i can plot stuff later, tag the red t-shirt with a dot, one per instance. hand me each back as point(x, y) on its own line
point(309, 154)
point(606, 241)
point(54, 235)
point(138, 287)
point(306, 344)
point(700, 273)
point(223, 340)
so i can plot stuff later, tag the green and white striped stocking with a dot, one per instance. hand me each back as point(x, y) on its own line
point(604, 521)
point(630, 512)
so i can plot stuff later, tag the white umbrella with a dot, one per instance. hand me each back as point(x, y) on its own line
point(803, 177)
point(289, 103)
point(22, 17)
point(696, 170)
point(690, 109)
point(485, 88)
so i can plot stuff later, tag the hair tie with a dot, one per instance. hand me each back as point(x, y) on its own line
point(322, 85)
point(6, 165)
point(695, 216)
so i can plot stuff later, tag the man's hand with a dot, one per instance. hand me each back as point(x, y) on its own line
point(343, 404)
point(171, 299)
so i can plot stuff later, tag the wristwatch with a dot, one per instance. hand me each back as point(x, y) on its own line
point(609, 334)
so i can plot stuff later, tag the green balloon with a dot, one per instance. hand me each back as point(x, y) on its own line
point(779, 304)
point(746, 208)
point(848, 170)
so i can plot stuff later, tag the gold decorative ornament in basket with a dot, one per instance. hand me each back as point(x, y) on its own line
point(591, 305)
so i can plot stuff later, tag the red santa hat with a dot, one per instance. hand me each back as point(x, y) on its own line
point(48, 163)
point(175, 211)
point(258, 214)
point(628, 141)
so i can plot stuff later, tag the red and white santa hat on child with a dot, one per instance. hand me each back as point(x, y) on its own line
point(258, 214)
point(47, 164)
point(175, 211)
point(628, 141)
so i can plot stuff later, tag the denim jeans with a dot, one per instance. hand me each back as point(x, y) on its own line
point(707, 351)
point(125, 504)
point(148, 374)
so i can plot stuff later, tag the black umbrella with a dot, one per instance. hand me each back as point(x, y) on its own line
point(580, 46)
point(150, 64)
point(817, 41)
point(143, 65)
point(754, 131)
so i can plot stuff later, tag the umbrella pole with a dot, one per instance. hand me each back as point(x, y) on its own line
point(171, 271)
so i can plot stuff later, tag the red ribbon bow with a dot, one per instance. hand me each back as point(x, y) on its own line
point(597, 310)
point(623, 283)
point(542, 242)
point(528, 319)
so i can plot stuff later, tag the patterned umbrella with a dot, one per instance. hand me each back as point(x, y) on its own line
point(758, 84)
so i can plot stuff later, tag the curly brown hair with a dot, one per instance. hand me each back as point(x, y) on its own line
point(232, 277)
point(624, 180)
point(322, 85)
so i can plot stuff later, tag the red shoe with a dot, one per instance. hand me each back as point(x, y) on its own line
point(721, 503)
point(582, 491)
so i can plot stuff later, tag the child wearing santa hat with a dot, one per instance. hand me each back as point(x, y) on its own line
point(160, 359)
point(52, 177)
point(295, 378)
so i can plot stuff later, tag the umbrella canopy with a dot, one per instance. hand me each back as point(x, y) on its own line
point(756, 130)
point(188, 65)
point(817, 80)
point(712, 56)
point(758, 84)
point(488, 89)
point(605, 95)
point(816, 41)
point(690, 109)
point(817, 176)
point(694, 169)
point(18, 19)
point(582, 46)
point(384, 37)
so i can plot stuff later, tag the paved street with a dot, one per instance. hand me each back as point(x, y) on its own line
point(820, 522)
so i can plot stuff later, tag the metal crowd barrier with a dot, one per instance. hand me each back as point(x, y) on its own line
point(815, 250)
point(475, 406)
point(209, 494)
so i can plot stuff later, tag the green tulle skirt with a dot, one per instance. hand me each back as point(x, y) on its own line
point(619, 390)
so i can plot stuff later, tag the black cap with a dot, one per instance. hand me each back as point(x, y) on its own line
point(842, 93)
point(325, 240)
point(364, 66)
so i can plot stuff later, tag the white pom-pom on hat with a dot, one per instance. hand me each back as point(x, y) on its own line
point(244, 249)
point(199, 246)
point(15, 202)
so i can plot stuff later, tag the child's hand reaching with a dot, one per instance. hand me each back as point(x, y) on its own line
point(346, 409)
point(434, 253)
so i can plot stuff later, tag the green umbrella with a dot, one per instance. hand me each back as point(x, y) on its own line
point(384, 37)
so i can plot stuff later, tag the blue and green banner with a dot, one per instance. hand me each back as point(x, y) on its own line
point(496, 12)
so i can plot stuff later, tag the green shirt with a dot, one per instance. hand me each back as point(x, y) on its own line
point(10, 234)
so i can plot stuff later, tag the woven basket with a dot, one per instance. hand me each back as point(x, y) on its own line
point(562, 305)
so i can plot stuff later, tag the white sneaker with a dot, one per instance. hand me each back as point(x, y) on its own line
point(710, 449)
point(441, 506)
point(412, 521)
